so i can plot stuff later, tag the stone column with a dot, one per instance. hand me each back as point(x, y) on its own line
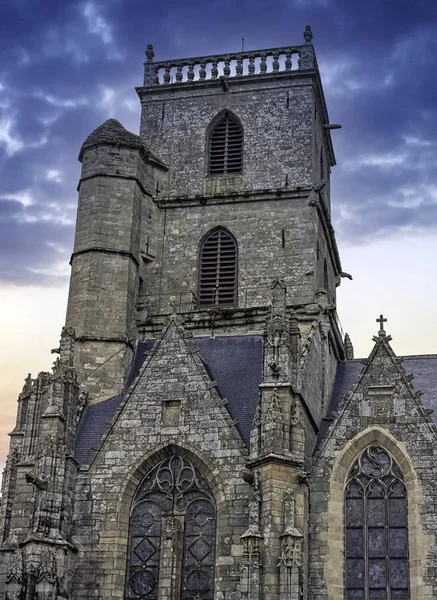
point(290, 560)
point(251, 560)
point(170, 565)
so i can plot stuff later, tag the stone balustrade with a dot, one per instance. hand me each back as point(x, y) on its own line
point(224, 66)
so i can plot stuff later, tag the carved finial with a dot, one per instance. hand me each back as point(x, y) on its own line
point(381, 322)
point(308, 34)
point(28, 382)
point(348, 347)
point(150, 53)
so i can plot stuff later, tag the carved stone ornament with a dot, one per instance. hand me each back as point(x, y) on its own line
point(274, 413)
point(81, 402)
point(48, 568)
point(348, 347)
point(295, 418)
point(277, 330)
point(15, 570)
point(254, 509)
point(291, 538)
point(256, 422)
point(39, 483)
point(28, 385)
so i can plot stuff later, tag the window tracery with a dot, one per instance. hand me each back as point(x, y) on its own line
point(172, 533)
point(376, 529)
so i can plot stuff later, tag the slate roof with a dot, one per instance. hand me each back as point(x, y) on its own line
point(423, 367)
point(113, 132)
point(234, 362)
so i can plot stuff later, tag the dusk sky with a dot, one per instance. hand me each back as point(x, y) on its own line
point(68, 66)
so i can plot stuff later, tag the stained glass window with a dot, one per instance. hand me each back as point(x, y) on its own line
point(172, 533)
point(376, 529)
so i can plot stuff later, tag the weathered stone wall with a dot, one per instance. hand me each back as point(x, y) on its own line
point(276, 116)
point(204, 433)
point(275, 240)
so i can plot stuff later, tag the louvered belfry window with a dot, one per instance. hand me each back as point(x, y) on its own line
point(226, 147)
point(218, 269)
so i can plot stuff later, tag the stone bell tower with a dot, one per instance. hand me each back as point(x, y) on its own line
point(202, 328)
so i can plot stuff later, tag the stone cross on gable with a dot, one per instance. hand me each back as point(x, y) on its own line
point(381, 322)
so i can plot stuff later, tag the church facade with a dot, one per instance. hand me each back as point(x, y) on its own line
point(205, 432)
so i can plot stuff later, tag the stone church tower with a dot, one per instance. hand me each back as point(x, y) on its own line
point(205, 433)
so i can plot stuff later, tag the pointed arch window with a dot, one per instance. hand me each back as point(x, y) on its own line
point(226, 147)
point(376, 529)
point(172, 534)
point(218, 265)
point(325, 275)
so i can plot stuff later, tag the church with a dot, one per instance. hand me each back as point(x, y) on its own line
point(206, 432)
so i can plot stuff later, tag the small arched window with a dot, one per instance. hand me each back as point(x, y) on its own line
point(322, 166)
point(226, 147)
point(218, 265)
point(376, 529)
point(325, 275)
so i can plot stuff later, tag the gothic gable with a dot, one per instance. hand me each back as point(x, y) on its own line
point(233, 362)
point(378, 409)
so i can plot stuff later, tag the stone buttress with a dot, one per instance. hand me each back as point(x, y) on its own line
point(37, 555)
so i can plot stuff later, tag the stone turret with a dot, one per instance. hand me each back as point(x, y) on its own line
point(118, 178)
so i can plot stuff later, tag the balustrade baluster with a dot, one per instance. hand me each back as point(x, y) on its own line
point(263, 65)
point(288, 61)
point(251, 67)
point(227, 67)
point(203, 68)
point(275, 63)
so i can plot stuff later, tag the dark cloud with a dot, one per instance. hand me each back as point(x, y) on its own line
point(67, 66)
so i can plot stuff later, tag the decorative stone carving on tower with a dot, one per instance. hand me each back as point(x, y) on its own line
point(251, 560)
point(15, 575)
point(297, 431)
point(273, 425)
point(277, 336)
point(255, 432)
point(149, 67)
point(290, 560)
point(282, 339)
point(348, 347)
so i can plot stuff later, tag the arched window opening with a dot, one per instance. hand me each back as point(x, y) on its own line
point(172, 534)
point(322, 166)
point(325, 275)
point(376, 529)
point(226, 147)
point(218, 267)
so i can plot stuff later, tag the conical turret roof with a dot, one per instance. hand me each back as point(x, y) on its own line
point(113, 132)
